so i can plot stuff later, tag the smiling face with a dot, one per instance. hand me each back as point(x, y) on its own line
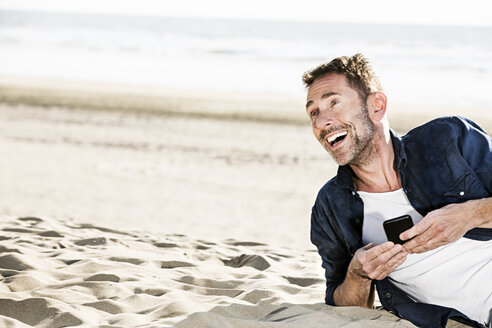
point(340, 119)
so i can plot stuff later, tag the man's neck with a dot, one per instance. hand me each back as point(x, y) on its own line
point(378, 173)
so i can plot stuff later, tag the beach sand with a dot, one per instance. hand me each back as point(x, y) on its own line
point(139, 207)
point(62, 273)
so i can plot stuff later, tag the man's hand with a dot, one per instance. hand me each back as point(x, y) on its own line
point(369, 262)
point(377, 262)
point(446, 225)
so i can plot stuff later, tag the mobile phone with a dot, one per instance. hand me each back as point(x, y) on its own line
point(394, 227)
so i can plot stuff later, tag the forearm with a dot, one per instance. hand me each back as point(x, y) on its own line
point(354, 291)
point(481, 212)
point(369, 263)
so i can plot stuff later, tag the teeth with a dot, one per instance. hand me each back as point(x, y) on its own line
point(336, 135)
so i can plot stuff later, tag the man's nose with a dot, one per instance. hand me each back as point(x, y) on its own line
point(324, 119)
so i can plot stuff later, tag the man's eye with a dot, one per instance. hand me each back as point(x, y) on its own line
point(313, 113)
point(334, 102)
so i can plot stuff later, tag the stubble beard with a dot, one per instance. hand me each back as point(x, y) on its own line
point(361, 131)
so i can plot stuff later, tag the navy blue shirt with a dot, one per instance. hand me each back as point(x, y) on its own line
point(445, 161)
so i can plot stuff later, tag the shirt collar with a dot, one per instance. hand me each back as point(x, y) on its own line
point(400, 155)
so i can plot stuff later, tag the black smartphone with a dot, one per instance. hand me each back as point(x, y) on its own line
point(394, 227)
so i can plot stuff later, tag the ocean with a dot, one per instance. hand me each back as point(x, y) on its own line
point(431, 65)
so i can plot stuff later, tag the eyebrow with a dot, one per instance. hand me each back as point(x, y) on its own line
point(324, 96)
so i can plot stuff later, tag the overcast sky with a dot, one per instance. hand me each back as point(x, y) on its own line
point(439, 12)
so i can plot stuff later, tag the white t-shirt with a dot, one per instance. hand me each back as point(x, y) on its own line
point(457, 275)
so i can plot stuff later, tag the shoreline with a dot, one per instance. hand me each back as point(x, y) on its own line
point(167, 101)
point(152, 100)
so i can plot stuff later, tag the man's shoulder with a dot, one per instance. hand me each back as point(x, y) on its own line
point(439, 130)
point(440, 124)
point(328, 190)
point(330, 185)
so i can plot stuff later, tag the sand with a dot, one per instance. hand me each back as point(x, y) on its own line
point(141, 214)
point(238, 105)
point(202, 177)
point(62, 273)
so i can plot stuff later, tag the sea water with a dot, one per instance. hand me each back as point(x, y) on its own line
point(430, 65)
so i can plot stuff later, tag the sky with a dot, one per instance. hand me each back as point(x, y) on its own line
point(427, 12)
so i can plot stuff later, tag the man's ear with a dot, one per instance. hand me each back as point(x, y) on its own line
point(376, 105)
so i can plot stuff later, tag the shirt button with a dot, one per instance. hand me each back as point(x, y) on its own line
point(357, 221)
point(462, 193)
point(387, 295)
point(353, 193)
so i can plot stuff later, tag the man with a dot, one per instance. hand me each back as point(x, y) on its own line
point(439, 173)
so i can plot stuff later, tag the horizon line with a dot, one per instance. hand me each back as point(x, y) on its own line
point(261, 19)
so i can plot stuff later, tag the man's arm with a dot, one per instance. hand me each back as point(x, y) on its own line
point(451, 222)
point(483, 209)
point(448, 224)
point(369, 263)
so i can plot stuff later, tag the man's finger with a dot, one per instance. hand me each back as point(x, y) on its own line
point(380, 263)
point(396, 262)
point(376, 251)
point(418, 241)
point(369, 246)
point(387, 257)
point(429, 245)
point(417, 229)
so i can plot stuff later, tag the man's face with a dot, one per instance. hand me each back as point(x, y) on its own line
point(340, 120)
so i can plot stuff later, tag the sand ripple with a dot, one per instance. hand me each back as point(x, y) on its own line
point(60, 273)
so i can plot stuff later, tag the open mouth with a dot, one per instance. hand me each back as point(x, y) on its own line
point(337, 138)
